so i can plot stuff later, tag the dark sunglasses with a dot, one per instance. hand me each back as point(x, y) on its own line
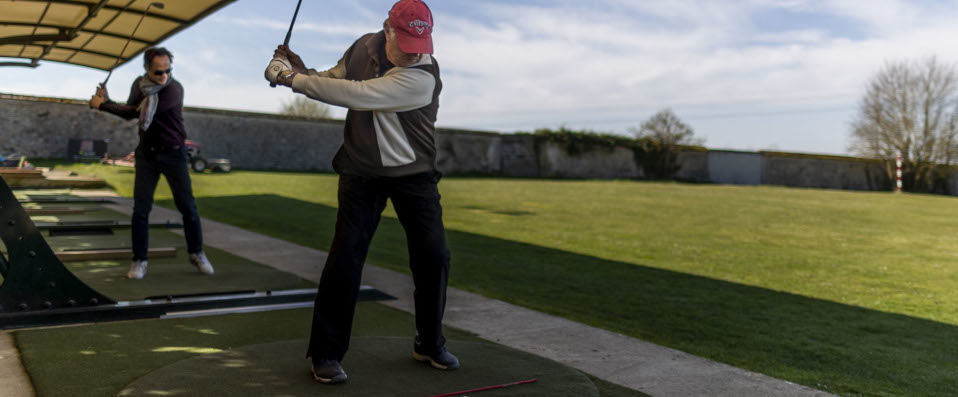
point(162, 72)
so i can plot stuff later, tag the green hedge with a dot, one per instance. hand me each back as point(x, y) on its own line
point(658, 162)
point(578, 142)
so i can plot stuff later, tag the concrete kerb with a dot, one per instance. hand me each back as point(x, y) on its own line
point(626, 361)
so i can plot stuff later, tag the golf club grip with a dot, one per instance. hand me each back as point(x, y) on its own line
point(285, 43)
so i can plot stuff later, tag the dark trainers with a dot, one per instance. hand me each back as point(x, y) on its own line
point(441, 359)
point(328, 372)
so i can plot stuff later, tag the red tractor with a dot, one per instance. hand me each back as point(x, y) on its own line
point(200, 163)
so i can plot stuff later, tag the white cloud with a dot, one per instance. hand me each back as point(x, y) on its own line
point(300, 26)
point(804, 36)
point(742, 80)
point(882, 16)
point(623, 59)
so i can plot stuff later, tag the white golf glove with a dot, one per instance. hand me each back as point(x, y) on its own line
point(277, 66)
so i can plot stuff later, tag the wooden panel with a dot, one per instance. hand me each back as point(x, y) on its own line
point(13, 173)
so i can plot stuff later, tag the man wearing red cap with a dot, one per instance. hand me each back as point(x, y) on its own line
point(390, 82)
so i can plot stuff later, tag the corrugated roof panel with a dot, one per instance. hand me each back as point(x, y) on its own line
point(11, 51)
point(111, 46)
point(24, 11)
point(150, 30)
point(91, 32)
point(91, 60)
point(66, 15)
point(59, 54)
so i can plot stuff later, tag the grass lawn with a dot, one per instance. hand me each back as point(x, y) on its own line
point(848, 292)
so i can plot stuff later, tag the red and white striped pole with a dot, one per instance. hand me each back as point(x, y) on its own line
point(898, 174)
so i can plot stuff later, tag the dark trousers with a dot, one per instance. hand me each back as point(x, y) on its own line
point(174, 165)
point(361, 201)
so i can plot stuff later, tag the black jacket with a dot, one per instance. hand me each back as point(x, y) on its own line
point(166, 130)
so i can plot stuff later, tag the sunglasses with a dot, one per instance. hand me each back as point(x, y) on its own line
point(162, 72)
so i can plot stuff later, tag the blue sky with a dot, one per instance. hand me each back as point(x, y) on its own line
point(747, 74)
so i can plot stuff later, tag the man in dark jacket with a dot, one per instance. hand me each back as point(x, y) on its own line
point(390, 82)
point(157, 100)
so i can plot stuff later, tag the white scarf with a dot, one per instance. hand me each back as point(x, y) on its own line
point(147, 107)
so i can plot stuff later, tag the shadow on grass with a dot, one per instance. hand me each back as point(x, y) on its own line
point(822, 344)
point(500, 212)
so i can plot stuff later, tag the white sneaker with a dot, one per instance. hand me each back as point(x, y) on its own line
point(199, 260)
point(137, 270)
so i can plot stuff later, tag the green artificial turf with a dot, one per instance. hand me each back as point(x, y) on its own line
point(848, 292)
point(176, 276)
point(101, 359)
point(93, 214)
point(168, 276)
point(121, 238)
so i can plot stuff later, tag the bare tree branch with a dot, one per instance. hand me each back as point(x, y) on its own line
point(910, 108)
point(661, 135)
point(304, 107)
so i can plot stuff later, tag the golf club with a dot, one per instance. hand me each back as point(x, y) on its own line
point(290, 31)
point(120, 55)
point(459, 393)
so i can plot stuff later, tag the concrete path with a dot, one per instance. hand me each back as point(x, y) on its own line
point(13, 378)
point(639, 365)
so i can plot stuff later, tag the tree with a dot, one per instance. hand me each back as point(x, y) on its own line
point(910, 108)
point(660, 137)
point(302, 106)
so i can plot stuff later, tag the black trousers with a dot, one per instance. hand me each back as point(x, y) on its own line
point(361, 202)
point(174, 165)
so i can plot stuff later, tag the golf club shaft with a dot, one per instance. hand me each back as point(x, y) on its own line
point(291, 23)
point(289, 32)
point(117, 61)
point(459, 393)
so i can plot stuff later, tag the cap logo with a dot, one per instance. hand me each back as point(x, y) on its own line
point(420, 26)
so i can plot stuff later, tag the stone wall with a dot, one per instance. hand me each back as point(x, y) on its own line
point(693, 166)
point(518, 156)
point(265, 142)
point(736, 168)
point(469, 152)
point(831, 172)
point(41, 128)
point(555, 161)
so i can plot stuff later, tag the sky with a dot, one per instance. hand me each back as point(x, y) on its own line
point(783, 75)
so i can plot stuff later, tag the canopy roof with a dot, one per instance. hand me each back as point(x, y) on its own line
point(91, 32)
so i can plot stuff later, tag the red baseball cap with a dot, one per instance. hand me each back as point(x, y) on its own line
point(412, 21)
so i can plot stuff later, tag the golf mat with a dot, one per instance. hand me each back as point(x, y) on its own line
point(102, 359)
point(121, 238)
point(176, 276)
point(90, 214)
point(377, 366)
point(170, 276)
